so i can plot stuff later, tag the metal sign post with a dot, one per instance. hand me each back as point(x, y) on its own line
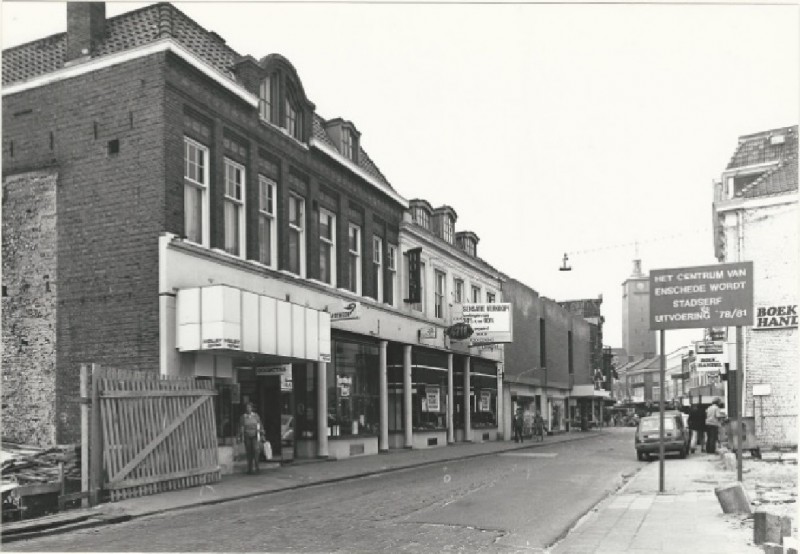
point(661, 374)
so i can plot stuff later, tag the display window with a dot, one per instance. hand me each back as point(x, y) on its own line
point(428, 389)
point(482, 395)
point(353, 395)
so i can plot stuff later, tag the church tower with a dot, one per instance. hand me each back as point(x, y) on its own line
point(637, 338)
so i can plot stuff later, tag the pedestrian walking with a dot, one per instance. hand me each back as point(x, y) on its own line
point(538, 426)
point(697, 425)
point(519, 420)
point(250, 432)
point(714, 418)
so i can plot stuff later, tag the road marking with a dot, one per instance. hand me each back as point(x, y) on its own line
point(531, 454)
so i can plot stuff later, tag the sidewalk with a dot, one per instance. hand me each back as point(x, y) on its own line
point(686, 518)
point(300, 473)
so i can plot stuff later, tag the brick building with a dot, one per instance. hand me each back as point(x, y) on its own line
point(755, 219)
point(173, 206)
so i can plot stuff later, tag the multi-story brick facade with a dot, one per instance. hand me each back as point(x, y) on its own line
point(755, 219)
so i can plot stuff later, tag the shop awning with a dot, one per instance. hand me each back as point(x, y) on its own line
point(220, 317)
point(588, 391)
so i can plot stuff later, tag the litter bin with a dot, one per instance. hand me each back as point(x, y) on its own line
point(732, 431)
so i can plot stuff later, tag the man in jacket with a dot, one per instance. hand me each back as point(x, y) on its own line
point(250, 430)
point(697, 424)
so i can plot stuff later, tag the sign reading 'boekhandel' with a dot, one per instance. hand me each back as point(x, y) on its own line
point(703, 296)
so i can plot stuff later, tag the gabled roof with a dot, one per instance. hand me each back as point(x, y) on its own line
point(137, 28)
point(777, 180)
point(760, 147)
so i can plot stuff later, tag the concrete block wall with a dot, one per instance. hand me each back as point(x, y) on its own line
point(771, 241)
point(29, 307)
point(104, 132)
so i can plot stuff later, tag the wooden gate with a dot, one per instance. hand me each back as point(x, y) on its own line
point(158, 433)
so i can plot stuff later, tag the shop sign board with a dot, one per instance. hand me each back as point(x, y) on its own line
point(709, 356)
point(776, 317)
point(273, 370)
point(699, 297)
point(350, 310)
point(432, 396)
point(491, 322)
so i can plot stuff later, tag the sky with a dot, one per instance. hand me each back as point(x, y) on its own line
point(549, 128)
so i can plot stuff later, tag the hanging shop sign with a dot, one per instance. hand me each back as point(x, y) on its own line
point(350, 310)
point(776, 317)
point(432, 397)
point(273, 370)
point(491, 323)
point(486, 401)
point(709, 356)
point(702, 296)
point(427, 333)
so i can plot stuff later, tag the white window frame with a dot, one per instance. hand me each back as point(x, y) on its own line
point(266, 211)
point(331, 242)
point(347, 144)
point(448, 229)
point(458, 290)
point(377, 265)
point(391, 265)
point(476, 299)
point(205, 228)
point(354, 255)
point(265, 99)
point(291, 119)
point(300, 230)
point(239, 203)
point(439, 294)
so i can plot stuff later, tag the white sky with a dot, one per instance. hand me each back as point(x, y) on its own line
point(549, 128)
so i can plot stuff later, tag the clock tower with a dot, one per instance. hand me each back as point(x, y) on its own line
point(637, 338)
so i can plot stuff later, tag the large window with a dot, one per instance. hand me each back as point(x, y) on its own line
point(438, 294)
point(297, 243)
point(327, 246)
point(476, 295)
point(195, 191)
point(459, 291)
point(267, 235)
point(354, 258)
point(428, 389)
point(265, 99)
point(483, 397)
point(234, 208)
point(391, 281)
point(353, 394)
point(377, 267)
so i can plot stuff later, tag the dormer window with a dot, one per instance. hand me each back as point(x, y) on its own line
point(468, 242)
point(447, 229)
point(265, 99)
point(421, 217)
point(347, 144)
point(292, 120)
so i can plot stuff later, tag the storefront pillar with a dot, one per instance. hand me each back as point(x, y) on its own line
point(467, 409)
point(450, 431)
point(407, 406)
point(383, 442)
point(500, 403)
point(322, 409)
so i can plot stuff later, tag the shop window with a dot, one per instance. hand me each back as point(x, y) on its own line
point(428, 390)
point(305, 400)
point(353, 395)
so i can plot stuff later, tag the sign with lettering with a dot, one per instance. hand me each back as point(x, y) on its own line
point(709, 356)
point(350, 310)
point(702, 296)
point(221, 344)
point(491, 323)
point(432, 396)
point(776, 317)
point(486, 401)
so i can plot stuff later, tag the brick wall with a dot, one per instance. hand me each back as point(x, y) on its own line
point(29, 307)
point(110, 213)
point(771, 241)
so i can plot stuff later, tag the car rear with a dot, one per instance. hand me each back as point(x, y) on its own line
point(647, 436)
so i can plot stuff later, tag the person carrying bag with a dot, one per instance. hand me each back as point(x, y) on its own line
point(251, 431)
point(714, 418)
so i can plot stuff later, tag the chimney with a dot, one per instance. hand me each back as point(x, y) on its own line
point(86, 26)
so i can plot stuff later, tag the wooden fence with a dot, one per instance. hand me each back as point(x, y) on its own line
point(158, 433)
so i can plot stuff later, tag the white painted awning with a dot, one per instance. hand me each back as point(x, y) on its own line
point(220, 317)
point(588, 391)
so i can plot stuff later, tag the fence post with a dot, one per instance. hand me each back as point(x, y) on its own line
point(96, 453)
point(85, 398)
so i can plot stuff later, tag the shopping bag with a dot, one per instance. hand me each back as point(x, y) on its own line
point(267, 450)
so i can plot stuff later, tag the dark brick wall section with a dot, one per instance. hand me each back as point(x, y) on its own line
point(110, 213)
point(29, 307)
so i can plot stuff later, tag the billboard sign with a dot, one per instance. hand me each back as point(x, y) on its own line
point(700, 297)
point(491, 323)
point(709, 356)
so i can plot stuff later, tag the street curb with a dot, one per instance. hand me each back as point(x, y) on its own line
point(81, 521)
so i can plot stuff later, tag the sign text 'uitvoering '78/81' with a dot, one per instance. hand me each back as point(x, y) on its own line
point(703, 296)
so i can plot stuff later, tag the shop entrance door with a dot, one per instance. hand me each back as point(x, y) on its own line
point(277, 415)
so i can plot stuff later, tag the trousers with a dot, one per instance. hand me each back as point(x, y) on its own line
point(251, 447)
point(712, 431)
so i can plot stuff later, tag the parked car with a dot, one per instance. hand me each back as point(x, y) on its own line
point(677, 436)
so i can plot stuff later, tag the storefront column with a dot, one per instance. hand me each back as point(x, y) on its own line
point(467, 413)
point(450, 432)
point(409, 438)
point(322, 409)
point(383, 440)
point(499, 408)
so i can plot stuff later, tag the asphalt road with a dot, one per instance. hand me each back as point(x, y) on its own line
point(518, 500)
